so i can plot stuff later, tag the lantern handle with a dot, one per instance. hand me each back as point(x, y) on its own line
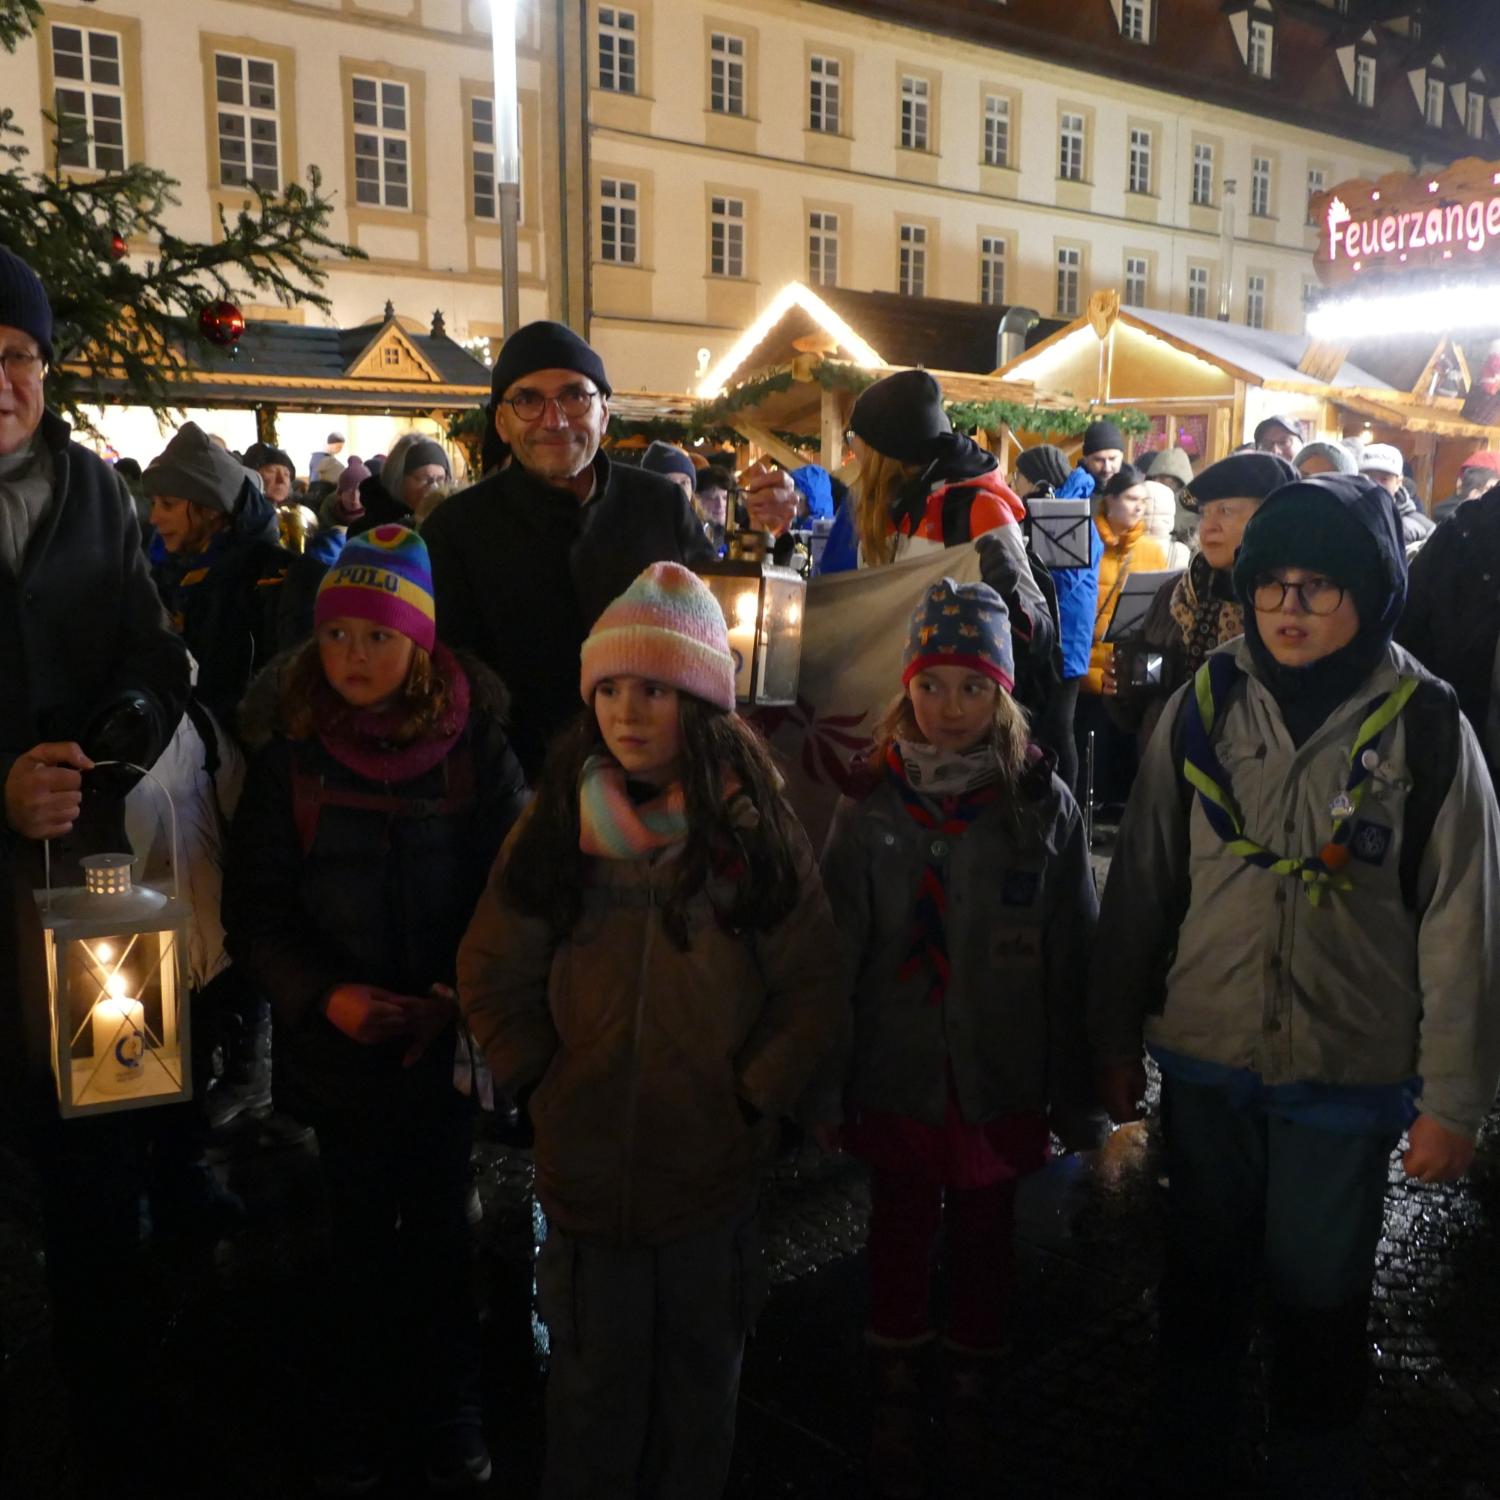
point(145, 775)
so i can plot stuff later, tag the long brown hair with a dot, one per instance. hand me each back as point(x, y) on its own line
point(880, 483)
point(308, 703)
point(545, 874)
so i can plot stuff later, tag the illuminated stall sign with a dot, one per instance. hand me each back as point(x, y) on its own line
point(1446, 221)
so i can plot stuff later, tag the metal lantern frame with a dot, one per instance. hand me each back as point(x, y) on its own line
point(763, 606)
point(129, 945)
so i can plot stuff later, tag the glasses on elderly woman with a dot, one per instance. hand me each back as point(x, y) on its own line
point(1317, 596)
point(20, 364)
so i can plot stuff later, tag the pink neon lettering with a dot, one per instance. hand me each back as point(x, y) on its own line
point(1454, 228)
point(1369, 239)
point(1434, 227)
point(1474, 225)
point(1387, 235)
point(1492, 216)
point(1417, 225)
point(1401, 222)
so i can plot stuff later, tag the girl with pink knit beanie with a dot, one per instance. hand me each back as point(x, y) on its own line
point(653, 963)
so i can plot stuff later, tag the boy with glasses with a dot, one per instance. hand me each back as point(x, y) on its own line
point(1300, 923)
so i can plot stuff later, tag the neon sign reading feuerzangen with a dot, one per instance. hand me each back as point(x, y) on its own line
point(1449, 227)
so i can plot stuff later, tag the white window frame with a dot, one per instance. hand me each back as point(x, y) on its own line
point(1260, 187)
point(1137, 281)
point(1072, 146)
point(997, 130)
point(825, 94)
point(392, 189)
point(726, 237)
point(619, 50)
point(916, 112)
point(103, 101)
point(1203, 174)
point(248, 115)
point(619, 221)
point(1432, 109)
point(992, 260)
point(726, 73)
point(1069, 266)
point(1364, 80)
point(1260, 49)
point(1139, 173)
point(822, 247)
point(1135, 20)
point(1474, 115)
point(911, 278)
point(1197, 291)
point(1255, 301)
point(1317, 181)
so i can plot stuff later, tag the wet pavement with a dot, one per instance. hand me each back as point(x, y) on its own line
point(233, 1377)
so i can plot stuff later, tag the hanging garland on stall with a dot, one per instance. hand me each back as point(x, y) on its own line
point(987, 416)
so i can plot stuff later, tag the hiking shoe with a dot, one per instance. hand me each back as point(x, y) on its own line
point(457, 1459)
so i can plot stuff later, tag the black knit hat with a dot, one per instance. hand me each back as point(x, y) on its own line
point(263, 455)
point(901, 416)
point(1241, 476)
point(663, 458)
point(1101, 435)
point(1044, 464)
point(545, 346)
point(23, 301)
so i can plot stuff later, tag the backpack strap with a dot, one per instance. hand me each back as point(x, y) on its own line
point(958, 502)
point(1432, 748)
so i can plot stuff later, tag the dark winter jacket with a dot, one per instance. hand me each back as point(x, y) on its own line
point(79, 627)
point(225, 602)
point(380, 508)
point(522, 570)
point(377, 898)
point(1415, 525)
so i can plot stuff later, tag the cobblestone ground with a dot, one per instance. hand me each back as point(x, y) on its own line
point(233, 1378)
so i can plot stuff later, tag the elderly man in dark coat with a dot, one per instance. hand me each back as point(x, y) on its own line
point(92, 671)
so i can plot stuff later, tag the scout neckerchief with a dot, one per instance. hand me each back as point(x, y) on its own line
point(946, 817)
point(1318, 872)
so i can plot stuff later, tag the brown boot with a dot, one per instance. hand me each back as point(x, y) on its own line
point(899, 1376)
point(971, 1454)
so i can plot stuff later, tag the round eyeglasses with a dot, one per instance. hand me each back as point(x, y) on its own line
point(1316, 596)
point(573, 403)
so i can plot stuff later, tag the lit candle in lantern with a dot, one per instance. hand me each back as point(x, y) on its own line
point(742, 632)
point(119, 1029)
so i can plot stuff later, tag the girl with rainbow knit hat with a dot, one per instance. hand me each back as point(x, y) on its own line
point(655, 965)
point(362, 840)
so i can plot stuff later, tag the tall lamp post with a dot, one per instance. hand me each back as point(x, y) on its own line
point(507, 152)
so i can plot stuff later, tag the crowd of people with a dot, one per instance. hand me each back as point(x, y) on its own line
point(490, 823)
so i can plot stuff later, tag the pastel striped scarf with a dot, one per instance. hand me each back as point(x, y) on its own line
point(611, 825)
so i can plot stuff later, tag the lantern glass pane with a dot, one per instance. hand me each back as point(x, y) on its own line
point(780, 659)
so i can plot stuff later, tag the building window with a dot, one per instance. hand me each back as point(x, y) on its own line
point(1069, 274)
point(726, 74)
point(992, 271)
point(726, 237)
point(1262, 40)
point(1070, 148)
point(89, 98)
point(382, 144)
point(1255, 301)
point(1260, 186)
point(823, 248)
point(1140, 161)
point(1434, 108)
point(249, 137)
point(1364, 81)
point(1197, 305)
point(617, 49)
point(482, 159)
point(1137, 280)
point(1474, 115)
point(1135, 20)
point(619, 222)
point(824, 95)
point(916, 98)
point(912, 279)
point(1316, 182)
point(996, 130)
point(1203, 174)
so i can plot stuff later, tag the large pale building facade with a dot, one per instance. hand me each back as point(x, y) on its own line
point(684, 159)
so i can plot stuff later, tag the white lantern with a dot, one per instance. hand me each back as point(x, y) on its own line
point(763, 607)
point(117, 988)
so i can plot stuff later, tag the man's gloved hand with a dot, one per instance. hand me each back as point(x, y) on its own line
point(120, 731)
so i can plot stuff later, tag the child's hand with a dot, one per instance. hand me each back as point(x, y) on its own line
point(428, 1016)
point(1121, 1088)
point(367, 1014)
point(1436, 1154)
point(830, 1138)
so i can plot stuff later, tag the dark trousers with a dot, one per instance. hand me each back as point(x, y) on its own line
point(406, 1335)
point(1052, 728)
point(1116, 754)
point(647, 1342)
point(906, 1213)
point(1254, 1198)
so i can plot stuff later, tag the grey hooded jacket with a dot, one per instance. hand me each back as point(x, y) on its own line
point(1223, 961)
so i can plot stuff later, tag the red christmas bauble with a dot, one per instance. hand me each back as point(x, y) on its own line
point(118, 246)
point(222, 323)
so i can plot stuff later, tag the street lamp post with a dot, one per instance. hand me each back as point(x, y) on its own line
point(507, 152)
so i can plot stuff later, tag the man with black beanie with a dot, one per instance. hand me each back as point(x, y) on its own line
point(1300, 922)
point(1103, 450)
point(525, 561)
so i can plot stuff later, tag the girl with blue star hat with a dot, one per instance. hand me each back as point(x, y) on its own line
point(1300, 925)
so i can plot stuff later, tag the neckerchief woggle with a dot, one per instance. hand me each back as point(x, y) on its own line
point(1319, 872)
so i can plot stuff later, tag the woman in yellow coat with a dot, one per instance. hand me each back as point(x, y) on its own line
point(1120, 519)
